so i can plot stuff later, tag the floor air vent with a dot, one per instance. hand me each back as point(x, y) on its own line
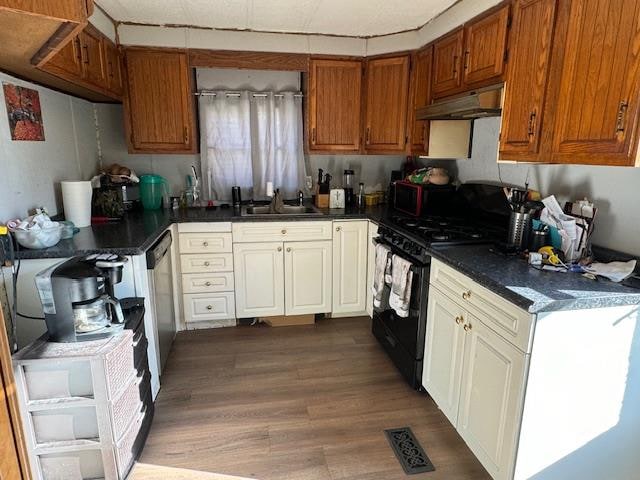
point(409, 452)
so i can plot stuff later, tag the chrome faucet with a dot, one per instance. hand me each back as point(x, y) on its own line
point(300, 198)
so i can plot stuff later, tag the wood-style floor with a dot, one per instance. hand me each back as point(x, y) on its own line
point(303, 403)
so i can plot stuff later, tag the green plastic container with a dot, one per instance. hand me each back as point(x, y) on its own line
point(152, 189)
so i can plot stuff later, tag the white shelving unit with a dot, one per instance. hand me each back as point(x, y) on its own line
point(81, 407)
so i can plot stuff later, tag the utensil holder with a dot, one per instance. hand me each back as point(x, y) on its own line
point(519, 229)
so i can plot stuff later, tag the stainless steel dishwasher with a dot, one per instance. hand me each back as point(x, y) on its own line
point(159, 272)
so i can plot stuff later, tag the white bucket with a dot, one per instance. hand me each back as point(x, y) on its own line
point(76, 197)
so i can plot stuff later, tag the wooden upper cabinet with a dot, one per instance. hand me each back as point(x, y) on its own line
point(92, 54)
point(485, 47)
point(159, 104)
point(70, 10)
point(420, 96)
point(598, 90)
point(447, 57)
point(113, 68)
point(386, 106)
point(526, 82)
point(335, 88)
point(67, 62)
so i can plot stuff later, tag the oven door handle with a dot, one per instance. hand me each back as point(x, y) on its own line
point(414, 268)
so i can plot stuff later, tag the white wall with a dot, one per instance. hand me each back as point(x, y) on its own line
point(30, 172)
point(615, 190)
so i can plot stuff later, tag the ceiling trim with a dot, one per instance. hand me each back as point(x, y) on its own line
point(223, 29)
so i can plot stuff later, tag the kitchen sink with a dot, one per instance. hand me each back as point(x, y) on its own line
point(287, 210)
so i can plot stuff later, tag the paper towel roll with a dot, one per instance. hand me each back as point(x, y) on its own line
point(76, 199)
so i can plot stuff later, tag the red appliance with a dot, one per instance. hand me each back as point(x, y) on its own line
point(408, 198)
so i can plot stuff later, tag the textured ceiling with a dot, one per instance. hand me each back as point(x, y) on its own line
point(358, 18)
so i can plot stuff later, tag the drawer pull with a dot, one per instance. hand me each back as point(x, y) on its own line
point(459, 319)
point(205, 244)
point(338, 229)
point(467, 327)
point(279, 249)
point(288, 249)
point(209, 307)
point(466, 295)
point(206, 264)
point(284, 231)
point(208, 284)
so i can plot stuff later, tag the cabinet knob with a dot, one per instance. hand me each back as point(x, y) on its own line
point(206, 264)
point(205, 244)
point(288, 249)
point(338, 229)
point(466, 295)
point(208, 284)
point(459, 319)
point(279, 249)
point(209, 307)
point(284, 231)
point(467, 327)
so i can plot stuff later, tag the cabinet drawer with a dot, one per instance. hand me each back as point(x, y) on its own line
point(281, 231)
point(200, 307)
point(207, 282)
point(204, 227)
point(509, 321)
point(213, 262)
point(205, 243)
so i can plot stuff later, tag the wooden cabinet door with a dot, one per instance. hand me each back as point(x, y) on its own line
point(420, 96)
point(386, 105)
point(335, 89)
point(444, 352)
point(113, 65)
point(447, 62)
point(307, 277)
point(491, 397)
point(159, 107)
point(349, 267)
point(9, 464)
point(526, 82)
point(93, 62)
point(259, 279)
point(486, 43)
point(67, 63)
point(599, 88)
point(371, 265)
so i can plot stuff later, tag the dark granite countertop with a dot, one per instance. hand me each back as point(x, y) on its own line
point(138, 231)
point(509, 277)
point(531, 289)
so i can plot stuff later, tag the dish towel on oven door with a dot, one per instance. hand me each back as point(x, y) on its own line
point(401, 277)
point(382, 273)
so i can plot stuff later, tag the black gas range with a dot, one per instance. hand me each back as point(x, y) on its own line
point(411, 238)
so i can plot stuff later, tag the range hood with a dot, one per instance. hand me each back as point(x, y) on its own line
point(485, 102)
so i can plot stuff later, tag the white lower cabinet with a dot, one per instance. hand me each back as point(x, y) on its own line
point(307, 277)
point(259, 279)
point(476, 377)
point(350, 266)
point(371, 265)
point(444, 352)
point(491, 397)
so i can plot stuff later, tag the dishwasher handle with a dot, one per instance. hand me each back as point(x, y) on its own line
point(156, 253)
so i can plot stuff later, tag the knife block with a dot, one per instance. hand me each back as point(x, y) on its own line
point(322, 200)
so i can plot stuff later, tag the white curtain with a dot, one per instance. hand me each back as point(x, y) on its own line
point(249, 141)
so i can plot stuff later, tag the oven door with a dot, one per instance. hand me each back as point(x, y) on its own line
point(407, 332)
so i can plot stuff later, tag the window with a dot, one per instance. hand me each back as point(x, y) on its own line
point(250, 139)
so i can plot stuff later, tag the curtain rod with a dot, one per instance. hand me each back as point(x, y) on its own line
point(208, 93)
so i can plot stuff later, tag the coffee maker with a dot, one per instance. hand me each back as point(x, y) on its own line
point(78, 299)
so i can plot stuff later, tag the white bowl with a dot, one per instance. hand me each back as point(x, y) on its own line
point(36, 239)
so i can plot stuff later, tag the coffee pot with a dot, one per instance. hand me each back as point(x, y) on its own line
point(78, 298)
